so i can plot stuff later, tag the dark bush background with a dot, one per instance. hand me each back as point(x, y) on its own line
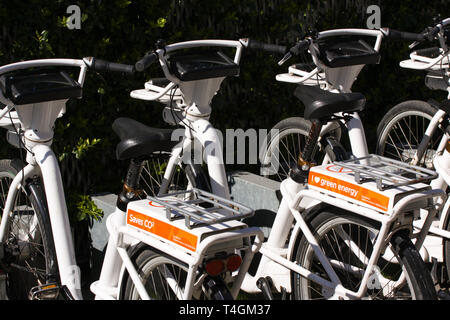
point(123, 30)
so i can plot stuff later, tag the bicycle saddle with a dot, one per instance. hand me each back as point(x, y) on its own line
point(321, 105)
point(139, 140)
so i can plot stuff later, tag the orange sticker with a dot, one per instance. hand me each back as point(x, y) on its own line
point(337, 169)
point(154, 205)
point(162, 229)
point(350, 190)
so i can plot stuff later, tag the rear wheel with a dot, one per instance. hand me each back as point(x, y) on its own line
point(402, 129)
point(29, 253)
point(184, 177)
point(284, 143)
point(348, 241)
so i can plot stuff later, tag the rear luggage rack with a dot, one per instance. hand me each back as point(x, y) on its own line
point(387, 173)
point(204, 209)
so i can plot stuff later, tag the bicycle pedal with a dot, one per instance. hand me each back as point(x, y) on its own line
point(48, 291)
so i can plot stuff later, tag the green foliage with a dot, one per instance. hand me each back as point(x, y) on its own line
point(80, 149)
point(81, 207)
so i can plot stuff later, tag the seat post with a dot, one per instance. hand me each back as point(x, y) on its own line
point(131, 189)
point(300, 170)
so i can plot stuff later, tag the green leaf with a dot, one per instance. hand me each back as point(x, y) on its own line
point(161, 22)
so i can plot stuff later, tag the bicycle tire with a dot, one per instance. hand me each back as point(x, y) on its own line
point(153, 268)
point(29, 252)
point(283, 144)
point(185, 176)
point(402, 256)
point(402, 128)
point(158, 266)
point(447, 247)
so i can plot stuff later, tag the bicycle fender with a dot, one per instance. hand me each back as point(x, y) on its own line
point(445, 214)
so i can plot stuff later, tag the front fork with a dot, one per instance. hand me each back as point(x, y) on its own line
point(46, 162)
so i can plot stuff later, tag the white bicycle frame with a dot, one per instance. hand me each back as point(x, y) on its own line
point(277, 261)
point(37, 120)
point(193, 100)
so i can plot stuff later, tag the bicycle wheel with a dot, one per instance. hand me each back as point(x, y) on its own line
point(284, 145)
point(447, 247)
point(403, 127)
point(184, 177)
point(163, 277)
point(29, 254)
point(347, 240)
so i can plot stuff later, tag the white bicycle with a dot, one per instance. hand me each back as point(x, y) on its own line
point(37, 253)
point(333, 236)
point(416, 132)
point(179, 246)
point(180, 241)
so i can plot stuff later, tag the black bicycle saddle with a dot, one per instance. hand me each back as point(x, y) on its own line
point(321, 104)
point(137, 139)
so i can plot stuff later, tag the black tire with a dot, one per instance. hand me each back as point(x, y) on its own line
point(29, 253)
point(153, 267)
point(283, 147)
point(403, 127)
point(330, 228)
point(447, 247)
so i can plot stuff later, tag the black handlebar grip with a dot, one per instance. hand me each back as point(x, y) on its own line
point(299, 47)
point(274, 48)
point(106, 66)
point(146, 61)
point(432, 33)
point(395, 34)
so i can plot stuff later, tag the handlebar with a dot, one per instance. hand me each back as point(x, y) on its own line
point(273, 48)
point(107, 66)
point(433, 32)
point(146, 61)
point(152, 57)
point(301, 46)
point(401, 35)
point(429, 34)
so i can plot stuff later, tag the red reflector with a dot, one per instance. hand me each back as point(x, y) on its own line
point(214, 267)
point(233, 262)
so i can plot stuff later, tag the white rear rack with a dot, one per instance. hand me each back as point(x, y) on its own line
point(205, 208)
point(387, 173)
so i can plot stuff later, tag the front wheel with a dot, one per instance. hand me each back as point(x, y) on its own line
point(348, 242)
point(163, 277)
point(29, 253)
